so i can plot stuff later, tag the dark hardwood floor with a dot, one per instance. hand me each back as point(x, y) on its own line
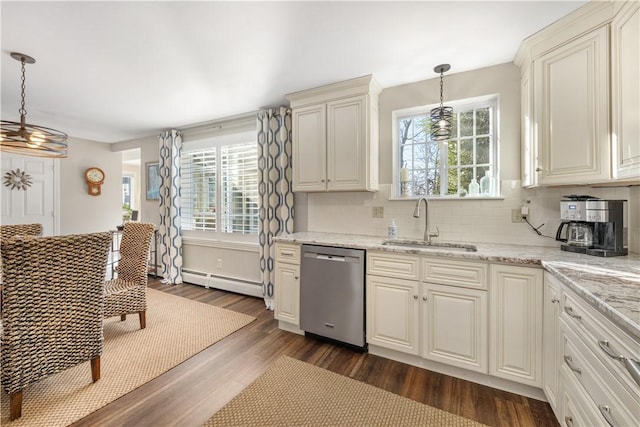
point(194, 390)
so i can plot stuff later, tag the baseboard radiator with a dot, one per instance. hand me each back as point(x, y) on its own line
point(209, 280)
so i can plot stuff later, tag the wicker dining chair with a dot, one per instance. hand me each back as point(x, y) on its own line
point(52, 308)
point(127, 293)
point(13, 230)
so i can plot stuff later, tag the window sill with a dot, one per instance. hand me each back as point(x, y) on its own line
point(445, 198)
point(221, 244)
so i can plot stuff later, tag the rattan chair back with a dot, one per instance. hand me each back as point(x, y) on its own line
point(13, 230)
point(52, 305)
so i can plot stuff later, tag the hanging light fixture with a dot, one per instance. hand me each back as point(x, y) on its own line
point(441, 117)
point(26, 139)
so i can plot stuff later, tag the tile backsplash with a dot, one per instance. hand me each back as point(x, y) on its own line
point(466, 220)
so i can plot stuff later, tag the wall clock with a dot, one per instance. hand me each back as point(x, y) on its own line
point(95, 178)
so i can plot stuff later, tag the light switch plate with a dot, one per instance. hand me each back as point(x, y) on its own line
point(377, 211)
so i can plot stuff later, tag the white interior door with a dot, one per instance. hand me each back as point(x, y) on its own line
point(36, 204)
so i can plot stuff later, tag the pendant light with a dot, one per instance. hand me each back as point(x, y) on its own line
point(441, 117)
point(30, 140)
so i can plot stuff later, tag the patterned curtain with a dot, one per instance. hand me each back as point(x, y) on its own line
point(170, 228)
point(275, 189)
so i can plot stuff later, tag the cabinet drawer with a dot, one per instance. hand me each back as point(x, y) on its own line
point(605, 340)
point(288, 253)
point(607, 395)
point(467, 274)
point(390, 265)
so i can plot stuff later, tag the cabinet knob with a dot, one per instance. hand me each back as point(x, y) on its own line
point(538, 169)
point(296, 277)
point(322, 180)
point(415, 297)
point(424, 298)
point(555, 300)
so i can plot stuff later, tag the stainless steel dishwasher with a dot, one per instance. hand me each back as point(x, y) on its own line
point(332, 293)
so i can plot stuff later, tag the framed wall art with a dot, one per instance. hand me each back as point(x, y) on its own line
point(153, 180)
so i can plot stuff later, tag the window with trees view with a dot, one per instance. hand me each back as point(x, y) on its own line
point(219, 188)
point(446, 168)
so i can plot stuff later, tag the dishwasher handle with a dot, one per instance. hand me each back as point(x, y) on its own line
point(330, 257)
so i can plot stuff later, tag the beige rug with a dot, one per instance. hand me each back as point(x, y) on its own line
point(177, 328)
point(294, 393)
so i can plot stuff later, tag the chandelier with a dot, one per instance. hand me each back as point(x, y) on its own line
point(441, 117)
point(26, 139)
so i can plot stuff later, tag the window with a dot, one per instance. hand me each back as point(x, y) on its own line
point(219, 185)
point(446, 168)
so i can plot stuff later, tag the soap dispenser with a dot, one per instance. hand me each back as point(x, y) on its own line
point(474, 187)
point(393, 230)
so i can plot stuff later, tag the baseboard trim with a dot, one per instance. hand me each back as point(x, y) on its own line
point(245, 288)
point(454, 371)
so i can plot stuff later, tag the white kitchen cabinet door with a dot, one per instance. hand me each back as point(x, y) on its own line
point(515, 324)
point(625, 97)
point(310, 148)
point(529, 158)
point(571, 111)
point(347, 144)
point(287, 293)
point(551, 338)
point(392, 313)
point(454, 326)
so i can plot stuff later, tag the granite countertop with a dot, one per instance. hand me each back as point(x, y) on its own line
point(611, 285)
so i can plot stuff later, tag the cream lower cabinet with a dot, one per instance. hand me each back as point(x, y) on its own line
point(454, 326)
point(551, 341)
point(392, 301)
point(392, 313)
point(287, 285)
point(515, 324)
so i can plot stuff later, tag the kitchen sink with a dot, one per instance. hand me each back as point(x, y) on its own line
point(421, 244)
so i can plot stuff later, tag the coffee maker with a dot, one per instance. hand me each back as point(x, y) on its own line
point(593, 226)
point(579, 233)
point(607, 218)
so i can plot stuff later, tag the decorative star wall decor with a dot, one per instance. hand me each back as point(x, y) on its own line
point(17, 179)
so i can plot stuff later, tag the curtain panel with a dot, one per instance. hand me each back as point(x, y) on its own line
point(170, 229)
point(275, 189)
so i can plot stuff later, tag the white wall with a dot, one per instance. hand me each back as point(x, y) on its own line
point(458, 220)
point(80, 212)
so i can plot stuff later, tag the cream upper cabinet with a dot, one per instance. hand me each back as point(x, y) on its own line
point(335, 137)
point(625, 79)
point(571, 111)
point(515, 324)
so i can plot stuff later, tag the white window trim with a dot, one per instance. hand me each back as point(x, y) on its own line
point(467, 103)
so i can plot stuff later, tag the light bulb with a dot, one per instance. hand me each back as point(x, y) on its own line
point(35, 140)
point(442, 124)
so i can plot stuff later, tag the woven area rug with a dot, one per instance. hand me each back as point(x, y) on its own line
point(177, 328)
point(294, 393)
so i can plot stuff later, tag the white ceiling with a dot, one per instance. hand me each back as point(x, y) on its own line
point(113, 71)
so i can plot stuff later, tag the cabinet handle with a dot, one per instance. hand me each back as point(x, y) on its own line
point(633, 366)
point(538, 169)
point(296, 277)
point(415, 297)
point(569, 360)
point(424, 298)
point(570, 312)
point(322, 180)
point(606, 413)
point(568, 421)
point(604, 345)
point(555, 300)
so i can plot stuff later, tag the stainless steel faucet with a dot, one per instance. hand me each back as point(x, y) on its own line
point(416, 214)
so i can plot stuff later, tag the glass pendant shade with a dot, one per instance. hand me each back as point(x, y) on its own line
point(441, 117)
point(26, 139)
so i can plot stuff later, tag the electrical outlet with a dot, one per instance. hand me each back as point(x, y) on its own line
point(516, 215)
point(377, 211)
point(219, 263)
